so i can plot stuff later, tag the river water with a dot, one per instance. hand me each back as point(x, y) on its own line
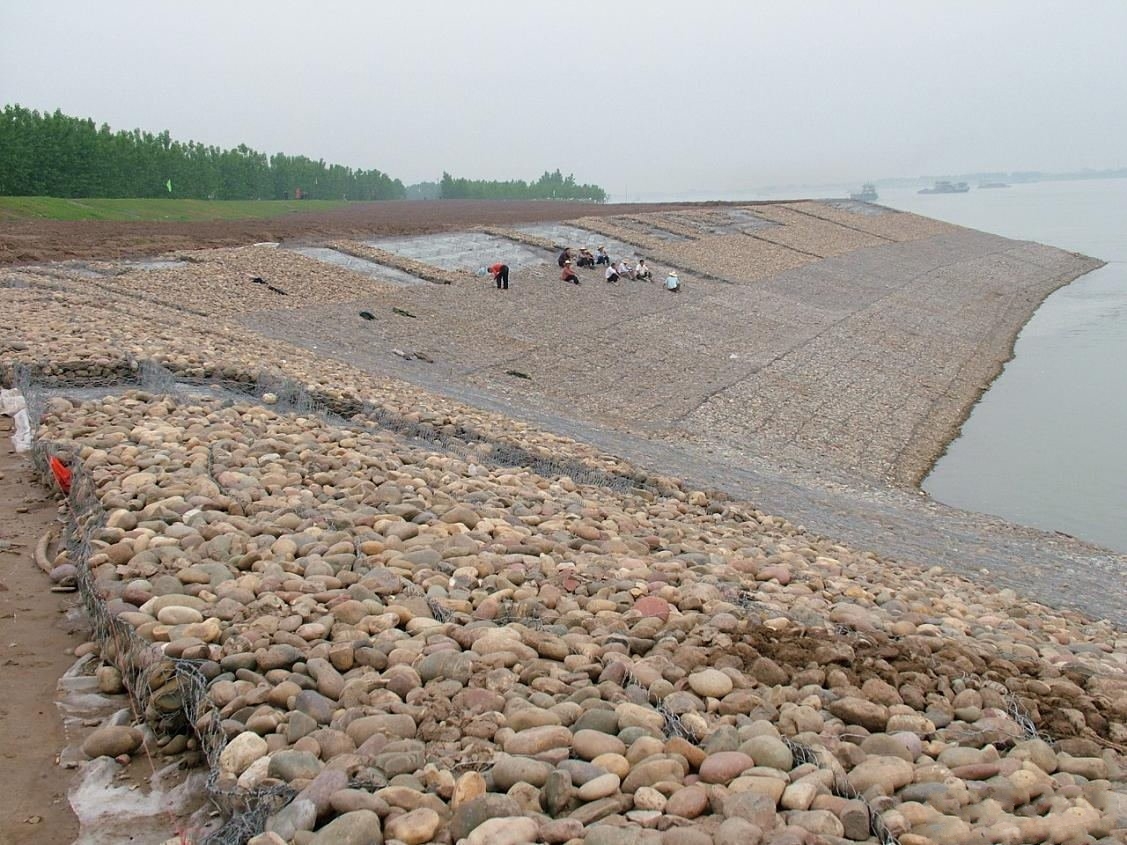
point(1046, 446)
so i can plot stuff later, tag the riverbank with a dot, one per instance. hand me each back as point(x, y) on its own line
point(1044, 447)
point(472, 497)
point(835, 334)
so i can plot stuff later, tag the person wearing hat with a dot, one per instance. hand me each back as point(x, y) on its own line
point(567, 274)
point(601, 256)
point(672, 283)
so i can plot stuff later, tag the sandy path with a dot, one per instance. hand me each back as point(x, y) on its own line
point(34, 646)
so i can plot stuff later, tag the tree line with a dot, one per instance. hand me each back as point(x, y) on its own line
point(57, 155)
point(548, 187)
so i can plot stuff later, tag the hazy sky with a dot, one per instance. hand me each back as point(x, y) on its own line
point(649, 98)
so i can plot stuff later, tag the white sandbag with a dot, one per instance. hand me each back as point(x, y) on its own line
point(11, 402)
point(22, 438)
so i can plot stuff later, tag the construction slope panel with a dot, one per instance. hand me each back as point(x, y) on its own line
point(652, 368)
point(629, 350)
point(371, 269)
point(865, 209)
point(234, 281)
point(814, 235)
point(575, 237)
point(884, 223)
point(463, 250)
point(609, 229)
point(654, 227)
point(727, 221)
point(737, 258)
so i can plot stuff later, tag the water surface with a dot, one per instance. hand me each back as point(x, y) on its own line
point(1047, 444)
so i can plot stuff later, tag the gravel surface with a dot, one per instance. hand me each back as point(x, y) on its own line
point(591, 564)
point(866, 361)
point(903, 526)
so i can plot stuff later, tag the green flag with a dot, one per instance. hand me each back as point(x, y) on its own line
point(168, 185)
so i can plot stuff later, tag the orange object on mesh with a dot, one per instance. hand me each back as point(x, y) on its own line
point(61, 473)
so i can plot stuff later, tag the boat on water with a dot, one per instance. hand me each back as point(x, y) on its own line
point(992, 185)
point(943, 187)
point(868, 193)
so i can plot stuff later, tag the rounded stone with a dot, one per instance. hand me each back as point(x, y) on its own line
point(615, 763)
point(711, 683)
point(241, 751)
point(653, 606)
point(689, 802)
point(415, 827)
point(112, 741)
point(600, 787)
point(178, 615)
point(509, 770)
point(769, 751)
point(515, 830)
point(293, 765)
point(724, 766)
point(857, 711)
point(359, 827)
point(648, 798)
point(589, 744)
point(886, 773)
point(800, 795)
point(535, 740)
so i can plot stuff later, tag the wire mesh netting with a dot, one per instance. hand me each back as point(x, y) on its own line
point(288, 396)
point(172, 694)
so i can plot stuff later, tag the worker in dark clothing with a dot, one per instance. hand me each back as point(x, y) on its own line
point(500, 275)
point(565, 256)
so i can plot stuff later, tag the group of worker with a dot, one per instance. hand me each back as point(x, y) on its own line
point(614, 270)
point(585, 258)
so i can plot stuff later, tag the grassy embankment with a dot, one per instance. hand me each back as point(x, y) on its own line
point(180, 210)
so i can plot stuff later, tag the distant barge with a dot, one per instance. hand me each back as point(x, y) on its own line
point(946, 188)
point(868, 193)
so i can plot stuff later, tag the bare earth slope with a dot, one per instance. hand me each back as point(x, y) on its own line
point(23, 241)
point(34, 645)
